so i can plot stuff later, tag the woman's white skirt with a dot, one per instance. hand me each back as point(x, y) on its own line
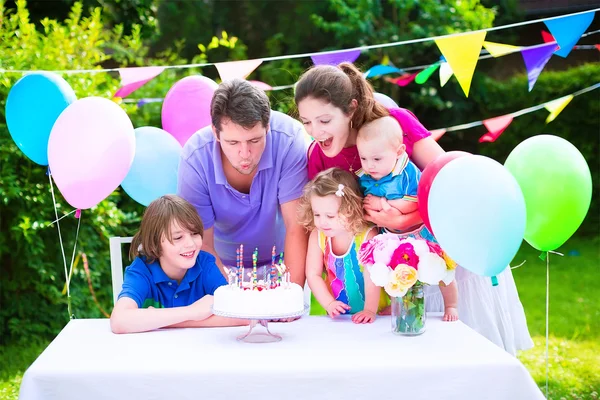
point(493, 311)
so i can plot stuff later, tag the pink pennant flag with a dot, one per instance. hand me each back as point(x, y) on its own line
point(403, 80)
point(597, 46)
point(547, 36)
point(335, 58)
point(261, 85)
point(134, 78)
point(495, 127)
point(237, 69)
point(436, 134)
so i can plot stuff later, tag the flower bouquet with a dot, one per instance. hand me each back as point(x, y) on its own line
point(402, 267)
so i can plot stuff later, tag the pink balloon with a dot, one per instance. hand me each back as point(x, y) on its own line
point(90, 150)
point(186, 108)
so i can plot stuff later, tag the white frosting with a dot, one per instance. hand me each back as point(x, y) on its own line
point(285, 299)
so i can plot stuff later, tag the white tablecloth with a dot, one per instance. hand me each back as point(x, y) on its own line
point(319, 358)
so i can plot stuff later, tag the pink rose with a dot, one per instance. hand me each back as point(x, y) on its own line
point(404, 254)
point(435, 248)
point(385, 245)
point(365, 254)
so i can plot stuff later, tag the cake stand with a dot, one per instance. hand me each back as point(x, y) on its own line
point(266, 336)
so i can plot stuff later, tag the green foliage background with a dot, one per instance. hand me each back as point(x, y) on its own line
point(101, 33)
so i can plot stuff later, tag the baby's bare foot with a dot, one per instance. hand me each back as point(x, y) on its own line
point(450, 314)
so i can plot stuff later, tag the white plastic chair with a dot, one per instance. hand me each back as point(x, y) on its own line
point(116, 263)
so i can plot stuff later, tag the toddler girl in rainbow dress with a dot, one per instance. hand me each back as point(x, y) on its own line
point(331, 208)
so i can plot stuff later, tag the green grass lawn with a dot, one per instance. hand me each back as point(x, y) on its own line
point(574, 317)
point(574, 323)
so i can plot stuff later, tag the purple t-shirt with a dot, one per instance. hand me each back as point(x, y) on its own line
point(254, 219)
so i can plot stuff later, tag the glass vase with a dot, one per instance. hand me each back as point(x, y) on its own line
point(408, 312)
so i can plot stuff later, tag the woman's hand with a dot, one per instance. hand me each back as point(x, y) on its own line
point(394, 219)
point(382, 218)
point(372, 203)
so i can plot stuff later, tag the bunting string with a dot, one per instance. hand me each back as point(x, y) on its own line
point(325, 53)
point(485, 55)
point(517, 113)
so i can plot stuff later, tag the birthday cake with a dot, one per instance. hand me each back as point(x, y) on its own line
point(273, 296)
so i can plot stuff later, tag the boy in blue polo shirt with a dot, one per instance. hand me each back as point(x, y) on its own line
point(171, 281)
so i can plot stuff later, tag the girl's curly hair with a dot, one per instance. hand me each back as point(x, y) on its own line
point(326, 183)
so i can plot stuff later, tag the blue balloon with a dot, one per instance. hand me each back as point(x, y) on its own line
point(32, 107)
point(153, 172)
point(477, 211)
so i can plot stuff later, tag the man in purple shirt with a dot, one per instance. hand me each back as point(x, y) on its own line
point(244, 174)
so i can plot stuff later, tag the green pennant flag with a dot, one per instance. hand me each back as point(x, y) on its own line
point(426, 73)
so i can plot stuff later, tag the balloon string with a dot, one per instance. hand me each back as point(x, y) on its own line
point(62, 249)
point(548, 313)
point(71, 316)
point(66, 215)
point(547, 317)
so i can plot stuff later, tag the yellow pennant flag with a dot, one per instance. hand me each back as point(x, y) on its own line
point(445, 73)
point(462, 53)
point(556, 106)
point(499, 49)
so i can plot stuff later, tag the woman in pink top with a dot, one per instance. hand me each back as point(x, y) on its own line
point(333, 103)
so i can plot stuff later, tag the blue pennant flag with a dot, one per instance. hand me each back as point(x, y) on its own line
point(568, 30)
point(382, 70)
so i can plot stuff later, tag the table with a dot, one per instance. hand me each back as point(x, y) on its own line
point(319, 358)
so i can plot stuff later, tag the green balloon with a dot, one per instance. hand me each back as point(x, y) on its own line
point(557, 185)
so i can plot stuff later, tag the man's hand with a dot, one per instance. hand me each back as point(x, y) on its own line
point(291, 319)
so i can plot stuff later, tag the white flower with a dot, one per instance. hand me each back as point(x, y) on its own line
point(380, 274)
point(450, 275)
point(394, 290)
point(432, 269)
point(420, 246)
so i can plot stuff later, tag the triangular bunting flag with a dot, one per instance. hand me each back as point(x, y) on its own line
point(261, 85)
point(237, 69)
point(436, 134)
point(535, 61)
point(462, 53)
point(567, 30)
point(597, 46)
point(548, 38)
point(495, 127)
point(134, 78)
point(556, 106)
point(336, 58)
point(379, 70)
point(402, 80)
point(499, 49)
point(445, 73)
point(422, 76)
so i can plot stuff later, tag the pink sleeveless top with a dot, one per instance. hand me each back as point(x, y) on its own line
point(348, 158)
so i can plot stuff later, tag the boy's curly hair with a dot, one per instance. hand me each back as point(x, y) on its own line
point(327, 183)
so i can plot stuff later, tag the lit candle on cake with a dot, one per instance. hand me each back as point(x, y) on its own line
point(273, 273)
point(254, 261)
point(237, 263)
point(241, 268)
